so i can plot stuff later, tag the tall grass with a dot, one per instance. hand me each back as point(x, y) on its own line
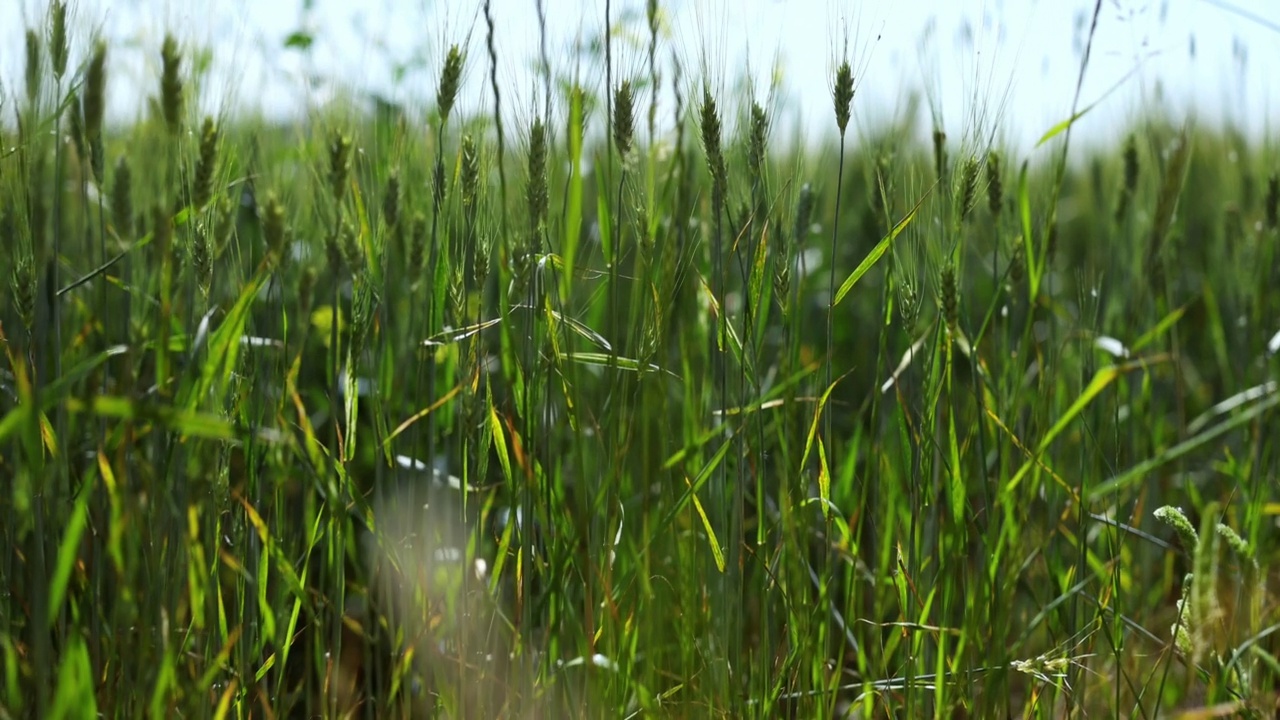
point(547, 416)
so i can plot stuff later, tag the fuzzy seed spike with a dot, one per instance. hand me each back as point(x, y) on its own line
point(968, 187)
point(842, 95)
point(623, 117)
point(949, 296)
point(339, 165)
point(450, 79)
point(759, 136)
point(536, 192)
point(273, 226)
point(171, 83)
point(470, 178)
point(995, 184)
point(33, 67)
point(58, 38)
point(122, 200)
point(95, 103)
point(207, 165)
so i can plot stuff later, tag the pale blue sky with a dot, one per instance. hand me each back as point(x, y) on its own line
point(1004, 64)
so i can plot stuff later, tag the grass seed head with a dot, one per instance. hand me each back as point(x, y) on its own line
point(364, 307)
point(171, 83)
point(536, 194)
point(1130, 182)
point(306, 290)
point(842, 95)
point(908, 303)
point(968, 187)
point(457, 295)
point(418, 243)
point(273, 227)
point(391, 211)
point(95, 103)
point(949, 296)
point(75, 118)
point(33, 67)
point(339, 165)
point(58, 38)
point(207, 165)
point(1130, 164)
point(940, 152)
point(22, 283)
point(995, 184)
point(202, 258)
point(480, 266)
point(450, 79)
point(95, 84)
point(782, 287)
point(352, 252)
point(804, 214)
point(790, 247)
point(1176, 519)
point(711, 144)
point(759, 139)
point(1237, 544)
point(623, 117)
point(470, 178)
point(122, 199)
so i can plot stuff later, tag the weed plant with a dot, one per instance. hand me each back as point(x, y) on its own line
point(565, 413)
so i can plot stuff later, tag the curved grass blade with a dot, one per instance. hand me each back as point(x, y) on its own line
point(879, 250)
point(622, 363)
point(68, 550)
point(706, 525)
point(1101, 380)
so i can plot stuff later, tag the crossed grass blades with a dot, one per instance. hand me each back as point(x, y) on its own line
point(571, 410)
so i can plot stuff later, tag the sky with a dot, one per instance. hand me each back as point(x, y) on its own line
point(984, 70)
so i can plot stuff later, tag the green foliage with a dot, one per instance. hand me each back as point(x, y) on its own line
point(675, 428)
